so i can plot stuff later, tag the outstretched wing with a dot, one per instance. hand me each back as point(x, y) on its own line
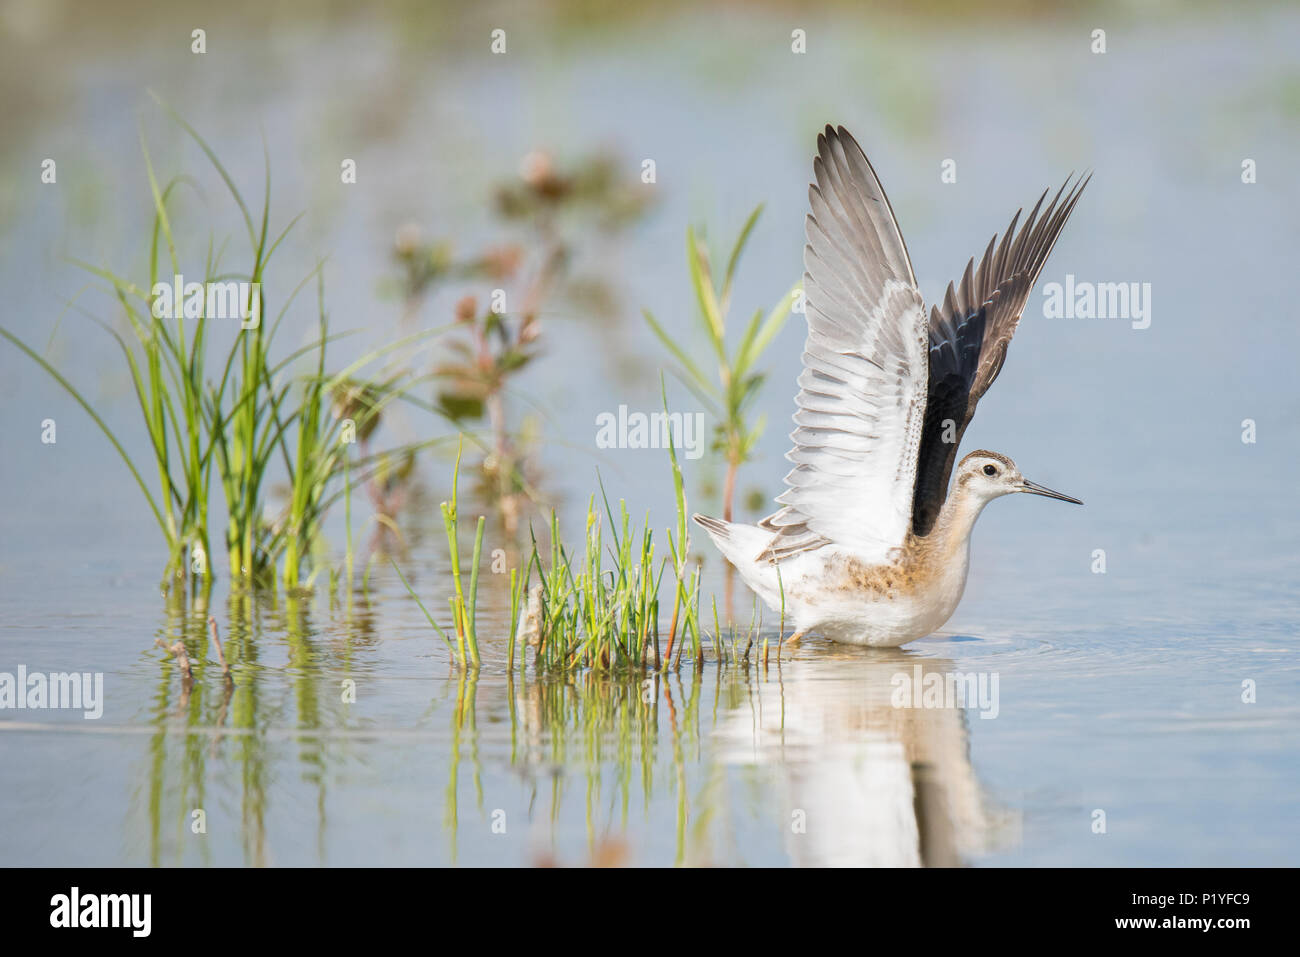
point(969, 336)
point(862, 391)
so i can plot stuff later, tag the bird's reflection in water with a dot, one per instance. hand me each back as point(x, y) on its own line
point(866, 782)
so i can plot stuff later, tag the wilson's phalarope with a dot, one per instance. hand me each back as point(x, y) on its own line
point(868, 548)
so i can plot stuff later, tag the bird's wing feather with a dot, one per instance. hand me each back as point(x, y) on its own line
point(968, 339)
point(862, 392)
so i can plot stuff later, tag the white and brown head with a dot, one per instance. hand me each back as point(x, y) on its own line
point(984, 476)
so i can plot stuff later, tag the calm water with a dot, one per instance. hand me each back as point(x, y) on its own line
point(1118, 692)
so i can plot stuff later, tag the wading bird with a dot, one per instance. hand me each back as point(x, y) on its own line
point(870, 547)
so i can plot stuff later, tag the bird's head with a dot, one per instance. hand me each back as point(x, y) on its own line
point(985, 476)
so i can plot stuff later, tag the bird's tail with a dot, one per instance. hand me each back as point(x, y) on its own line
point(714, 526)
point(728, 536)
point(741, 545)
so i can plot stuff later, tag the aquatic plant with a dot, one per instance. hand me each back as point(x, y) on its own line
point(558, 209)
point(473, 384)
point(240, 414)
point(729, 398)
point(324, 441)
point(593, 605)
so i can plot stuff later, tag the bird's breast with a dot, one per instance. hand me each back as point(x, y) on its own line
point(886, 604)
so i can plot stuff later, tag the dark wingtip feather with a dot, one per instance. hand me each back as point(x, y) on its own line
point(981, 313)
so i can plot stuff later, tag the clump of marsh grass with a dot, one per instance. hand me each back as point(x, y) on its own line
point(596, 604)
point(595, 615)
point(334, 412)
point(463, 601)
point(240, 413)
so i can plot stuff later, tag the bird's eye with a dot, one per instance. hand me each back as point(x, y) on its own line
point(990, 470)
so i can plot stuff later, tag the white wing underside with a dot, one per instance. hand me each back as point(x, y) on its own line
point(862, 392)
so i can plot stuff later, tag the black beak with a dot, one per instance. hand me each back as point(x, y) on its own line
point(1043, 490)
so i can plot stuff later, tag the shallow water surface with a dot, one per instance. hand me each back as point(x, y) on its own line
point(809, 760)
